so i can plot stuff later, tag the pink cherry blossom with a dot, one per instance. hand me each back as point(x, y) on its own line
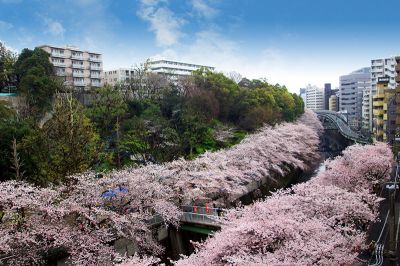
point(320, 222)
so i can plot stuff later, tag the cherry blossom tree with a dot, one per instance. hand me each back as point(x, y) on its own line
point(270, 154)
point(322, 221)
point(360, 167)
point(83, 217)
point(80, 220)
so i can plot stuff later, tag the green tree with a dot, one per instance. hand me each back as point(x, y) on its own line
point(107, 111)
point(37, 82)
point(197, 136)
point(257, 116)
point(150, 137)
point(7, 71)
point(67, 144)
point(107, 108)
point(11, 128)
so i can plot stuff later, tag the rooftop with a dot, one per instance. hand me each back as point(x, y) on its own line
point(67, 47)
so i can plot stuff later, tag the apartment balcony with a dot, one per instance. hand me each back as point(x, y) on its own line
point(96, 84)
point(77, 57)
point(378, 103)
point(78, 75)
point(93, 59)
point(378, 112)
point(385, 106)
point(58, 55)
point(79, 83)
point(385, 117)
point(378, 98)
point(61, 74)
point(95, 76)
point(58, 64)
point(78, 66)
point(379, 133)
point(95, 67)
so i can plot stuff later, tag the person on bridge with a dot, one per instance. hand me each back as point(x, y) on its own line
point(219, 211)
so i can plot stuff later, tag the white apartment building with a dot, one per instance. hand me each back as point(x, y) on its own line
point(314, 98)
point(381, 67)
point(173, 68)
point(367, 111)
point(120, 75)
point(80, 69)
point(351, 89)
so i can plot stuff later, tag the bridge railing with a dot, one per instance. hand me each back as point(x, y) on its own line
point(343, 127)
point(190, 217)
point(202, 210)
point(194, 214)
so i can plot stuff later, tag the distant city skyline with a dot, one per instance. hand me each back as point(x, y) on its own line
point(293, 43)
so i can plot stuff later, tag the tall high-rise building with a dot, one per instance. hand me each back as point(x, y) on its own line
point(367, 111)
point(333, 103)
point(302, 94)
point(383, 67)
point(327, 95)
point(396, 127)
point(351, 89)
point(390, 119)
point(80, 69)
point(380, 108)
point(314, 98)
point(380, 68)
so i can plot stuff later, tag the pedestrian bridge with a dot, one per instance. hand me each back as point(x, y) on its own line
point(196, 215)
point(333, 120)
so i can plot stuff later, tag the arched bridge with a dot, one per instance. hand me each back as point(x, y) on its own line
point(333, 120)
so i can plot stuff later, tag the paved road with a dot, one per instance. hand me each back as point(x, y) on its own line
point(379, 232)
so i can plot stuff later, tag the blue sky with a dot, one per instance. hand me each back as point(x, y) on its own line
point(291, 42)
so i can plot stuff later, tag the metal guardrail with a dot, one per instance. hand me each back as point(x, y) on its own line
point(194, 214)
point(202, 210)
point(190, 217)
point(343, 127)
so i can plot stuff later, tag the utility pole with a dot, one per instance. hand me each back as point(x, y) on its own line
point(392, 253)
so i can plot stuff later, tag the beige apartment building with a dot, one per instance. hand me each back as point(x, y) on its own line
point(80, 69)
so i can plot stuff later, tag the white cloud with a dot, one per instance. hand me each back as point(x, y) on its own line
point(163, 22)
point(210, 46)
point(54, 27)
point(5, 25)
point(203, 9)
point(12, 49)
point(276, 65)
point(292, 67)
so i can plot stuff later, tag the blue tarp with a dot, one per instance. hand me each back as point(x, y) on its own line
point(109, 194)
